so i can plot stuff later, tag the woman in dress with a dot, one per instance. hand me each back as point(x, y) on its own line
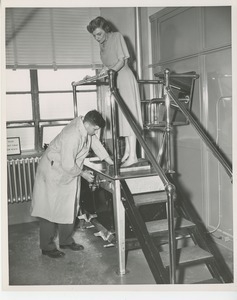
point(114, 55)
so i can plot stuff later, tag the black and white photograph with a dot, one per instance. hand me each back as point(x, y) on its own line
point(117, 146)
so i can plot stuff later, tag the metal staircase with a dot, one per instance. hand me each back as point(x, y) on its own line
point(182, 220)
point(151, 234)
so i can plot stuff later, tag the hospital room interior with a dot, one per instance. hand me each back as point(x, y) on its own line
point(156, 215)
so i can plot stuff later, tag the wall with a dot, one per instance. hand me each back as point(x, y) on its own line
point(199, 39)
point(123, 19)
point(19, 213)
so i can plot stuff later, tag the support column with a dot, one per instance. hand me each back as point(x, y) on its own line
point(119, 217)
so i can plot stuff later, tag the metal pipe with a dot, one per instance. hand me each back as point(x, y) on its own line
point(172, 241)
point(138, 42)
point(74, 91)
point(162, 147)
point(139, 50)
point(215, 151)
point(114, 122)
point(119, 216)
point(194, 76)
point(149, 81)
point(168, 122)
point(169, 188)
point(168, 129)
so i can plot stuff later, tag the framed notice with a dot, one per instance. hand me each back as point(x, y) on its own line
point(13, 146)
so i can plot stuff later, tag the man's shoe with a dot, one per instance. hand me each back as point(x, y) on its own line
point(55, 253)
point(74, 246)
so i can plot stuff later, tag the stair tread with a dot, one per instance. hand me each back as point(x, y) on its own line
point(159, 226)
point(149, 198)
point(186, 255)
point(145, 184)
point(208, 281)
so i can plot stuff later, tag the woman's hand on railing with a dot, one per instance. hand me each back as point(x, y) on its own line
point(104, 71)
point(87, 77)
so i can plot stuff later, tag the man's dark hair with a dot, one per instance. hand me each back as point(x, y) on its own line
point(95, 118)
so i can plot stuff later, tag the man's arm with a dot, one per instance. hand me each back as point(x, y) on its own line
point(69, 151)
point(99, 150)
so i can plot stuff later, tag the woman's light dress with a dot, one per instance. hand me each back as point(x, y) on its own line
point(111, 51)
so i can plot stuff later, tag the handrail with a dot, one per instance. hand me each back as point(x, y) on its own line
point(89, 80)
point(215, 151)
point(179, 75)
point(137, 130)
point(149, 81)
point(169, 187)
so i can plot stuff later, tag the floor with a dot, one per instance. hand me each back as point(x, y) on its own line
point(95, 265)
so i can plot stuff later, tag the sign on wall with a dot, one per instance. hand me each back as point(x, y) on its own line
point(13, 146)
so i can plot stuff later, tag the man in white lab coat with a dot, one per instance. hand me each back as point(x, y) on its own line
point(57, 184)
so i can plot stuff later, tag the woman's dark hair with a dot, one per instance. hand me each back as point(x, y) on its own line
point(99, 22)
point(95, 118)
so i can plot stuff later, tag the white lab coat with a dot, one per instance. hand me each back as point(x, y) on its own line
point(57, 184)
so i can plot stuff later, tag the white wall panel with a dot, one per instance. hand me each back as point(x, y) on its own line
point(198, 39)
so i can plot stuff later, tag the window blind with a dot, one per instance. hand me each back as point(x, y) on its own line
point(50, 38)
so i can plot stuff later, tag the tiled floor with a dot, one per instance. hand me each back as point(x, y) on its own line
point(95, 265)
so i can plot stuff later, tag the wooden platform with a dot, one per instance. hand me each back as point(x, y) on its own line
point(142, 164)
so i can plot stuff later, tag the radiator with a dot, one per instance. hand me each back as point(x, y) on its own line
point(20, 178)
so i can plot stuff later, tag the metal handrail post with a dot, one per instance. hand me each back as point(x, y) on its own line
point(168, 127)
point(169, 188)
point(74, 91)
point(112, 75)
point(172, 241)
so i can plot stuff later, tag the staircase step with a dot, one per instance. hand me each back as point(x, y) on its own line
point(161, 226)
point(150, 198)
point(208, 281)
point(187, 255)
point(146, 184)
